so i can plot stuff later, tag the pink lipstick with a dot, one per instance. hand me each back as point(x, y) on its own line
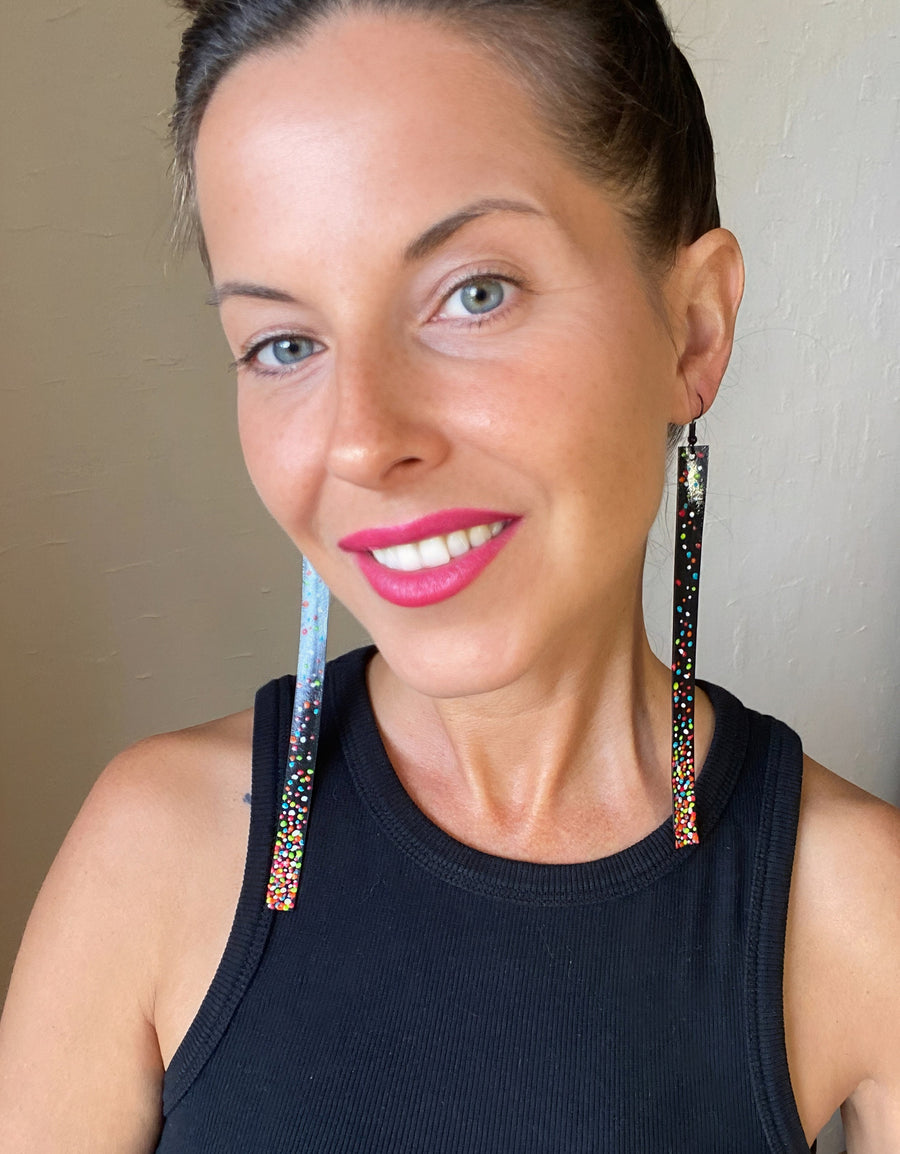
point(432, 558)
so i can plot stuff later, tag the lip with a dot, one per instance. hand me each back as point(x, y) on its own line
point(428, 586)
point(438, 524)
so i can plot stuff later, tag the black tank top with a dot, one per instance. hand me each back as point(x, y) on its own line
point(427, 998)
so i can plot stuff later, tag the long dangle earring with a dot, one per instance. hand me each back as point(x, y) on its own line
point(287, 855)
point(693, 474)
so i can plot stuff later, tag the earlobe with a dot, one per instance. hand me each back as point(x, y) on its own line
point(707, 285)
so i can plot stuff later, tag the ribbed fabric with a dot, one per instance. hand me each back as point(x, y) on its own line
point(426, 998)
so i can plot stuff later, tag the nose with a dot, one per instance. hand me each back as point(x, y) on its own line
point(386, 429)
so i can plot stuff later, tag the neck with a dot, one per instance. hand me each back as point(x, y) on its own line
point(568, 763)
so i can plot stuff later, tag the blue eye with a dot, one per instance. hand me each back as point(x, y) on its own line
point(282, 352)
point(476, 297)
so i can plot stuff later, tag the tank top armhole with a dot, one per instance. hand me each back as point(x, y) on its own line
point(252, 920)
point(780, 810)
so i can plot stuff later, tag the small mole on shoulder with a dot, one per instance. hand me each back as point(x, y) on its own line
point(248, 798)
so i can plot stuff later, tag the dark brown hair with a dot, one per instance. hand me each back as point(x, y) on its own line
point(611, 86)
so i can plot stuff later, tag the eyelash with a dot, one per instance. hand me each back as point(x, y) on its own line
point(247, 359)
point(496, 314)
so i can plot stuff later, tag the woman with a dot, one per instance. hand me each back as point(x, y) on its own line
point(469, 262)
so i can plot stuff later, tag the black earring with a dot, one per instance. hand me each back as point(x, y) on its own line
point(693, 474)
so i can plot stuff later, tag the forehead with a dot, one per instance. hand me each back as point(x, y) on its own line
point(373, 118)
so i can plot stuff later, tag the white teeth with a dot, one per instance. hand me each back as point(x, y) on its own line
point(408, 558)
point(435, 551)
point(458, 543)
point(386, 556)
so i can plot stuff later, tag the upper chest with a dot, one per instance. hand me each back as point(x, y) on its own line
point(358, 942)
point(393, 968)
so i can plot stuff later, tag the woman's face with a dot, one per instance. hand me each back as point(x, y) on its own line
point(435, 317)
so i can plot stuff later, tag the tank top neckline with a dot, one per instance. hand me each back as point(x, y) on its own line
point(467, 868)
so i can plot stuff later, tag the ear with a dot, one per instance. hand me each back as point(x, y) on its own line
point(703, 292)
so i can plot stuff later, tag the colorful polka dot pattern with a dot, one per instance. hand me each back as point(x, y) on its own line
point(692, 477)
point(287, 856)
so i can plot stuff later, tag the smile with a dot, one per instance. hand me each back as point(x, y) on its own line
point(432, 558)
point(435, 551)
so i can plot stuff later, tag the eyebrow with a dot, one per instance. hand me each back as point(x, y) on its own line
point(437, 234)
point(432, 238)
point(241, 288)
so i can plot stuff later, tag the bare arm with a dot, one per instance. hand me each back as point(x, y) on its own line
point(80, 1067)
point(842, 972)
point(871, 1114)
point(123, 943)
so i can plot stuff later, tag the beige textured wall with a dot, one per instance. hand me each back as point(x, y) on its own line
point(142, 585)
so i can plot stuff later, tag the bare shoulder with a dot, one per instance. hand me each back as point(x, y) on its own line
point(842, 960)
point(190, 793)
point(190, 780)
point(156, 851)
point(848, 856)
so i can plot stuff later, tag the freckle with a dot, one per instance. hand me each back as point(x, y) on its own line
point(248, 798)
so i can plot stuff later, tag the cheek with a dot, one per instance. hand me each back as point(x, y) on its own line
point(601, 442)
point(281, 459)
point(589, 389)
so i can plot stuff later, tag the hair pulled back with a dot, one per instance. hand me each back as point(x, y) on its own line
point(611, 86)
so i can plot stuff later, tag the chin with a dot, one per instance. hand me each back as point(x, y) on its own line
point(440, 665)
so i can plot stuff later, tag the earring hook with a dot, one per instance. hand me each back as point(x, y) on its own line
point(692, 431)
